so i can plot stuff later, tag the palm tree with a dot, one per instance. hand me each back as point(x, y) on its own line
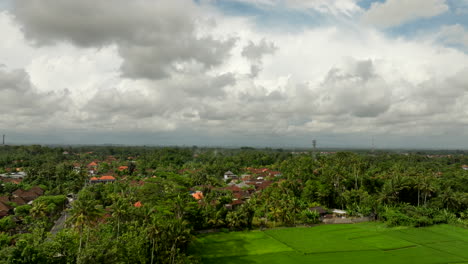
point(83, 214)
point(179, 234)
point(119, 210)
point(392, 187)
point(427, 187)
point(234, 219)
point(39, 210)
point(295, 207)
point(153, 232)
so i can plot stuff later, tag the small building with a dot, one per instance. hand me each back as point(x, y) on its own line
point(320, 210)
point(198, 195)
point(102, 179)
point(5, 209)
point(465, 167)
point(14, 175)
point(22, 197)
point(339, 213)
point(92, 164)
point(123, 168)
point(234, 204)
point(229, 175)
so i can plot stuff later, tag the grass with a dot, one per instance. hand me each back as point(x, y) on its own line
point(356, 243)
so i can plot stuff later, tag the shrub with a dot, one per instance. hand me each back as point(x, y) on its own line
point(310, 217)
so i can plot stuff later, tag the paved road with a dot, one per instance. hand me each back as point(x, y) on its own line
point(60, 223)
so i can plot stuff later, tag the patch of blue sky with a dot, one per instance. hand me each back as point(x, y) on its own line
point(453, 4)
point(432, 24)
point(459, 8)
point(366, 4)
point(6, 4)
point(278, 17)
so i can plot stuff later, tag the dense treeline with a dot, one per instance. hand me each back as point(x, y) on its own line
point(149, 216)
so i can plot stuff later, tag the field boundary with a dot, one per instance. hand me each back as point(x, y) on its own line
point(405, 247)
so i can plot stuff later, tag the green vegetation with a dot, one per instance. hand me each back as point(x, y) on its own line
point(156, 201)
point(358, 243)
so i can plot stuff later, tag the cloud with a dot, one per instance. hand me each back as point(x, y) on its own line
point(393, 13)
point(453, 35)
point(255, 52)
point(461, 7)
point(357, 90)
point(22, 105)
point(151, 36)
point(224, 79)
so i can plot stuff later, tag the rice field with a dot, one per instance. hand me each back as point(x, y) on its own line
point(355, 243)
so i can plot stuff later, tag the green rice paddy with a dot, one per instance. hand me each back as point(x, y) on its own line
point(356, 243)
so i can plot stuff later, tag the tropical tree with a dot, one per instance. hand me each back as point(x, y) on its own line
point(83, 214)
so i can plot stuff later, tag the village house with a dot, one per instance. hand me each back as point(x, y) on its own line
point(92, 168)
point(77, 167)
point(14, 175)
point(5, 209)
point(229, 175)
point(198, 195)
point(18, 197)
point(102, 179)
point(28, 196)
point(339, 213)
point(319, 210)
point(123, 168)
point(263, 172)
point(10, 180)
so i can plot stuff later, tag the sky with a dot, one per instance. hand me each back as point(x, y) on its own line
point(263, 73)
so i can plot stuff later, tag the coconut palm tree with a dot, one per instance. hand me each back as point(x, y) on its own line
point(39, 210)
point(83, 213)
point(120, 210)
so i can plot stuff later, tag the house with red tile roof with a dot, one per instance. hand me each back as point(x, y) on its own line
point(18, 200)
point(262, 172)
point(198, 195)
point(5, 209)
point(102, 179)
point(27, 196)
point(11, 180)
point(92, 164)
point(122, 168)
point(38, 190)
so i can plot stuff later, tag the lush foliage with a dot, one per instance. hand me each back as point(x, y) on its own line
point(148, 215)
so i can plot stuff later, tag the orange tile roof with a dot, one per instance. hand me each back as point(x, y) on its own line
point(94, 179)
point(197, 195)
point(107, 177)
point(92, 164)
point(122, 168)
point(138, 204)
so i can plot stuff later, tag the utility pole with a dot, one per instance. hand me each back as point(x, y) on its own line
point(3, 142)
